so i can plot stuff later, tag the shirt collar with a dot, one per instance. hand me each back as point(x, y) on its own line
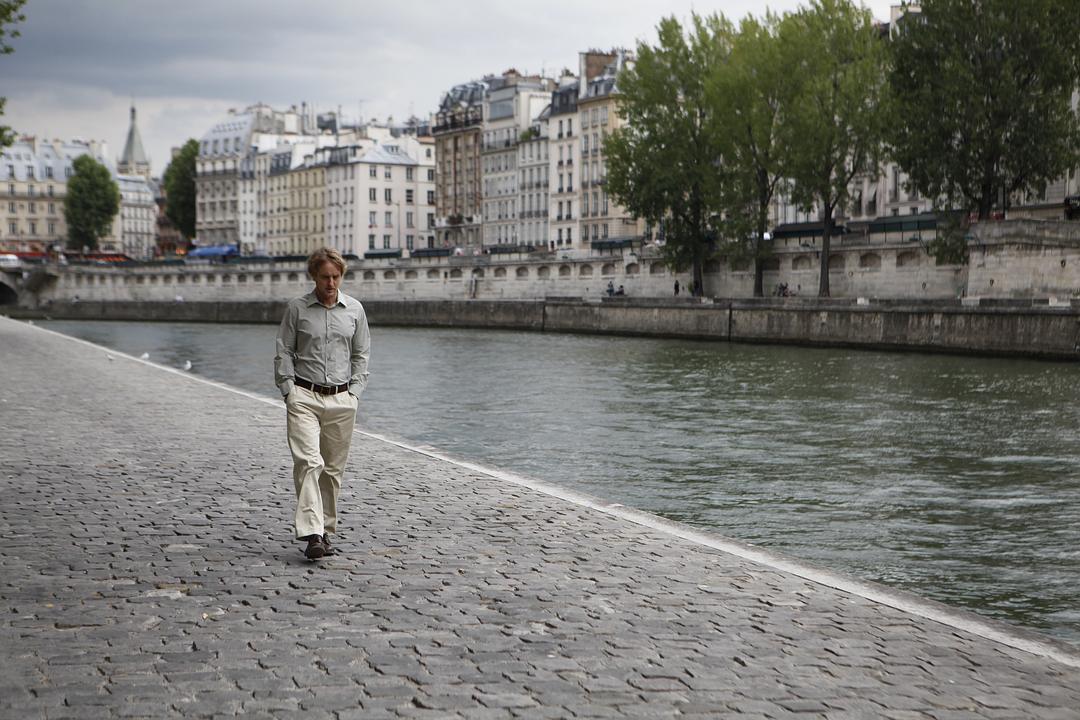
point(313, 299)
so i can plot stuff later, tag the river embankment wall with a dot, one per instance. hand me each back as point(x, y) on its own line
point(974, 327)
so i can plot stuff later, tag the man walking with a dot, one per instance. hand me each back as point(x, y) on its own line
point(321, 369)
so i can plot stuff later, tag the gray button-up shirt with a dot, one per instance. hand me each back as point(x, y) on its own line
point(323, 345)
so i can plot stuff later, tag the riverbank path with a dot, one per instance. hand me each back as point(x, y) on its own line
point(147, 569)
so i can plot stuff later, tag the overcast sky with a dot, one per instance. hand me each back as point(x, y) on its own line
point(79, 64)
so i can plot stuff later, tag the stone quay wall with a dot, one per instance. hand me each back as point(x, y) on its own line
point(1030, 259)
point(985, 328)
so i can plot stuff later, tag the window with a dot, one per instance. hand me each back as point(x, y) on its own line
point(371, 194)
point(13, 228)
point(409, 219)
point(371, 242)
point(569, 126)
point(389, 219)
point(33, 208)
point(12, 208)
point(30, 172)
point(430, 220)
point(431, 175)
point(11, 171)
point(386, 242)
point(386, 172)
point(569, 234)
point(408, 173)
point(33, 228)
point(52, 228)
point(48, 171)
point(409, 195)
point(388, 193)
point(373, 171)
point(409, 241)
point(430, 197)
point(371, 218)
point(585, 205)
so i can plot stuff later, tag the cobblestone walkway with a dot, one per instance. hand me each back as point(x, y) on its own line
point(147, 569)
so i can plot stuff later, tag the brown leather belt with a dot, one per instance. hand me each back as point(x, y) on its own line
point(321, 389)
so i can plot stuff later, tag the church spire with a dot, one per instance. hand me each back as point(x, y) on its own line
point(134, 160)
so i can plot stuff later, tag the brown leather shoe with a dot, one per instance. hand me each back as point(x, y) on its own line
point(326, 544)
point(315, 547)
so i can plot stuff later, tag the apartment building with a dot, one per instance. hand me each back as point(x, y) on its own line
point(562, 164)
point(602, 220)
point(457, 133)
point(33, 184)
point(381, 197)
point(511, 104)
point(533, 186)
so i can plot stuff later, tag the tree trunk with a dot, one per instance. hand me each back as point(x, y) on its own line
point(826, 238)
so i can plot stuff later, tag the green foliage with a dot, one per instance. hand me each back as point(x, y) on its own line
point(92, 201)
point(179, 182)
point(837, 64)
point(663, 164)
point(750, 95)
point(10, 14)
point(982, 93)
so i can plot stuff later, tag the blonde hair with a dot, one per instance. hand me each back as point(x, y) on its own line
point(326, 254)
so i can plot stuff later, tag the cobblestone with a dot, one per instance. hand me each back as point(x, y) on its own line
point(148, 569)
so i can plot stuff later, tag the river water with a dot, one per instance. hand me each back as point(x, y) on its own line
point(957, 478)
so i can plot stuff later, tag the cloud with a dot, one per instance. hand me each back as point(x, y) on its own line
point(78, 65)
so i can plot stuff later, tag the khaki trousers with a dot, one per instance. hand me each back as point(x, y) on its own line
point(320, 430)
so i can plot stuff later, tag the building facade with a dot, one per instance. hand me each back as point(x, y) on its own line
point(458, 198)
point(222, 153)
point(32, 190)
point(138, 217)
point(511, 104)
point(603, 221)
point(534, 171)
point(562, 164)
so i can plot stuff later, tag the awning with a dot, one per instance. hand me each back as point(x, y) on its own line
point(903, 223)
point(213, 251)
point(805, 230)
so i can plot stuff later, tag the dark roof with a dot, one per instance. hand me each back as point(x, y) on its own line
point(903, 223)
point(801, 230)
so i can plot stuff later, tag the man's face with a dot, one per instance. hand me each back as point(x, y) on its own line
point(327, 281)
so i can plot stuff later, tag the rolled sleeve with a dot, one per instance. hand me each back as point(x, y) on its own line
point(360, 352)
point(285, 354)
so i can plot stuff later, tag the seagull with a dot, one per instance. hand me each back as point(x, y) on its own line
point(111, 358)
point(187, 364)
point(144, 356)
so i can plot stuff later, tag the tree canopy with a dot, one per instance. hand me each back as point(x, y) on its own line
point(179, 182)
point(983, 95)
point(663, 162)
point(750, 95)
point(10, 14)
point(838, 63)
point(92, 201)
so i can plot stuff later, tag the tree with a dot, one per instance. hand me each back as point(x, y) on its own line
point(179, 181)
point(92, 201)
point(838, 63)
point(10, 14)
point(750, 96)
point(663, 163)
point(983, 93)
